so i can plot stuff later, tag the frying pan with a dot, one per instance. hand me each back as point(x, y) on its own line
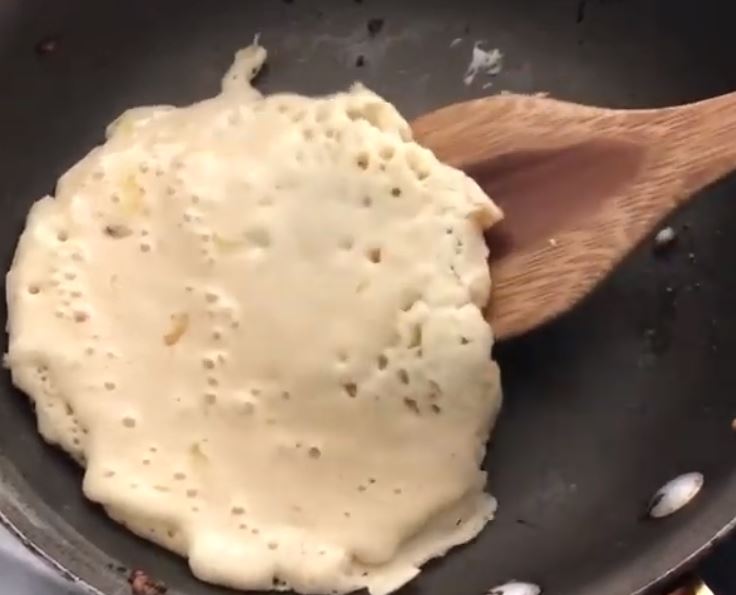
point(631, 389)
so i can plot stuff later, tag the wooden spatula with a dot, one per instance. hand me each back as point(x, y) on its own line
point(580, 186)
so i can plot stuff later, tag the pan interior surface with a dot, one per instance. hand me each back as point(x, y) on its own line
point(602, 407)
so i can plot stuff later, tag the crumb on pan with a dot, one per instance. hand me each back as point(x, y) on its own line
point(142, 584)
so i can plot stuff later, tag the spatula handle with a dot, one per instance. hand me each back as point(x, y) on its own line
point(698, 141)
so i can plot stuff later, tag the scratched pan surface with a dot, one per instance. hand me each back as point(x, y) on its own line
point(634, 387)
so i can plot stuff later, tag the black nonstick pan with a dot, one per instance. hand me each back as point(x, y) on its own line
point(634, 387)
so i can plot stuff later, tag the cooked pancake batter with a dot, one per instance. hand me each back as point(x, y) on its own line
point(256, 321)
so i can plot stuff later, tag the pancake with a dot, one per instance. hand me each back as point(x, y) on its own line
point(256, 322)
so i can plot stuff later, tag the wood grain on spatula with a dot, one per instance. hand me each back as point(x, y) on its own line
point(580, 186)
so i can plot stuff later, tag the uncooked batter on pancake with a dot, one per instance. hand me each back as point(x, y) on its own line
point(256, 321)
